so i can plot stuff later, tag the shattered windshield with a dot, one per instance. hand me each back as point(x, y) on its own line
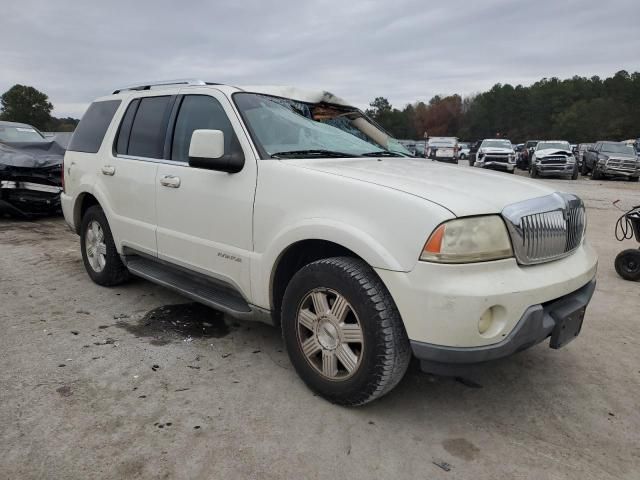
point(285, 126)
point(10, 133)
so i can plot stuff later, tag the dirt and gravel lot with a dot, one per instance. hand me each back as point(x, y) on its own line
point(137, 382)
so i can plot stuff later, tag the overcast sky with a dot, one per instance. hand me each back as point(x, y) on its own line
point(404, 50)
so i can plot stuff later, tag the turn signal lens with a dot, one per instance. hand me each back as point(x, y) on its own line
point(464, 240)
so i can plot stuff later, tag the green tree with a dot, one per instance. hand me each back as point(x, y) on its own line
point(25, 104)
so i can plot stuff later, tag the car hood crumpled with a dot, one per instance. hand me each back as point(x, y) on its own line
point(496, 150)
point(462, 190)
point(31, 155)
point(549, 152)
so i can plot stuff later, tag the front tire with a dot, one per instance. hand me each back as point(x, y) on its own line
point(595, 174)
point(533, 173)
point(628, 264)
point(634, 179)
point(575, 173)
point(343, 332)
point(99, 254)
point(584, 169)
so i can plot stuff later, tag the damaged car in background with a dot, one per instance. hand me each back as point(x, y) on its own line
point(554, 158)
point(496, 154)
point(30, 171)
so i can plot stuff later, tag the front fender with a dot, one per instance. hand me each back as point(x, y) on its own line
point(361, 243)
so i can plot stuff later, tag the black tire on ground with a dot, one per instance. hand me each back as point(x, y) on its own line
point(384, 352)
point(634, 179)
point(628, 264)
point(533, 173)
point(584, 169)
point(113, 272)
point(575, 174)
point(512, 171)
point(595, 173)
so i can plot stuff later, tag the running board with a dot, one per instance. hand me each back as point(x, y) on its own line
point(193, 285)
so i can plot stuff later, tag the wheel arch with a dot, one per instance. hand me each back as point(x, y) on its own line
point(82, 204)
point(295, 257)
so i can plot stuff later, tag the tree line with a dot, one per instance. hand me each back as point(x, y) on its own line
point(25, 104)
point(577, 109)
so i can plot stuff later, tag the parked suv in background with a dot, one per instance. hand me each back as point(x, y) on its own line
point(611, 159)
point(244, 202)
point(496, 154)
point(553, 158)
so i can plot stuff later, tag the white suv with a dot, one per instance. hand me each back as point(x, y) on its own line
point(255, 202)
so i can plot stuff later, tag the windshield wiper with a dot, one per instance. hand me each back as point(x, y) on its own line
point(313, 153)
point(381, 153)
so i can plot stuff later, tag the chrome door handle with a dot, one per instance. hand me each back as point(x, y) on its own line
point(170, 181)
point(108, 170)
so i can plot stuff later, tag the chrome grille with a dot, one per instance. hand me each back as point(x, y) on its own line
point(559, 160)
point(622, 164)
point(545, 228)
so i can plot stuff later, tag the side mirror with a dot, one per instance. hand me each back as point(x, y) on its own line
point(206, 150)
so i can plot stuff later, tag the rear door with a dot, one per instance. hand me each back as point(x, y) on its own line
point(128, 173)
point(205, 217)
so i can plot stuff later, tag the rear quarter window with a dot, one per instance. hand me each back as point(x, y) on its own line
point(93, 126)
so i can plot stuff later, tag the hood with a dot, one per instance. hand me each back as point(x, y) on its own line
point(496, 150)
point(461, 190)
point(31, 155)
point(621, 156)
point(548, 152)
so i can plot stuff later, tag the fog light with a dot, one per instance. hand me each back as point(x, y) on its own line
point(485, 321)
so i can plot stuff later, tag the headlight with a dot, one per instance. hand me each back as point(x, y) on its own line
point(472, 239)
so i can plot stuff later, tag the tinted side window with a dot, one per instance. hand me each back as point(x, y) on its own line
point(199, 112)
point(148, 129)
point(94, 124)
point(122, 143)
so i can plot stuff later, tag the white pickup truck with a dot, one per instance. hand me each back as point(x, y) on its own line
point(261, 202)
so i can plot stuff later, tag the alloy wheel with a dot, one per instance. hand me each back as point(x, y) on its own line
point(329, 334)
point(95, 246)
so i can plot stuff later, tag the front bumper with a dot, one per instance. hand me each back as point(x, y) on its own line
point(442, 304)
point(565, 169)
point(501, 166)
point(619, 172)
point(26, 199)
point(560, 319)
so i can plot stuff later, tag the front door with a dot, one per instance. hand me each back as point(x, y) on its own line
point(205, 216)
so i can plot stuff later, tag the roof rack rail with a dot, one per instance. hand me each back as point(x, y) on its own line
point(163, 83)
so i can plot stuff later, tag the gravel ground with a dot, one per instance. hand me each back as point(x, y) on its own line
point(137, 382)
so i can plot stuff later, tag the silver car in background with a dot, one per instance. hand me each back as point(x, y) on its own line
point(554, 158)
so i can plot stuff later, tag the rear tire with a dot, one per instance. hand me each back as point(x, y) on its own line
point(99, 254)
point(343, 332)
point(628, 264)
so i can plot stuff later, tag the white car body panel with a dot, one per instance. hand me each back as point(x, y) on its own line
point(236, 226)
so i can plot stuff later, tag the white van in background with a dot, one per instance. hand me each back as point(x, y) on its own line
point(443, 149)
